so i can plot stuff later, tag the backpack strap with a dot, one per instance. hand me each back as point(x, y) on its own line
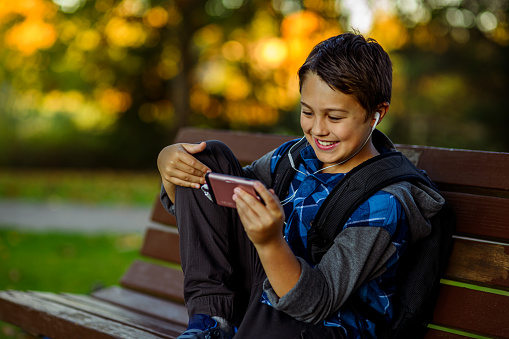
point(356, 187)
point(284, 172)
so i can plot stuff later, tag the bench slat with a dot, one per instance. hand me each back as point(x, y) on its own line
point(160, 215)
point(38, 316)
point(481, 216)
point(161, 244)
point(139, 302)
point(464, 167)
point(460, 167)
point(471, 261)
point(112, 312)
point(475, 214)
point(154, 280)
point(472, 310)
point(486, 264)
point(246, 146)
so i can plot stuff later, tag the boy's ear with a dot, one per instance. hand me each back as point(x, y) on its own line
point(382, 110)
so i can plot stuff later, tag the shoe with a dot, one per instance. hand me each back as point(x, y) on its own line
point(202, 326)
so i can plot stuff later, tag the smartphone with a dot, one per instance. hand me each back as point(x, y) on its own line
point(221, 188)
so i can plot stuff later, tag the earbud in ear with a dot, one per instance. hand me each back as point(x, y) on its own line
point(377, 118)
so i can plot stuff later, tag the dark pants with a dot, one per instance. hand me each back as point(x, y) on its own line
point(223, 274)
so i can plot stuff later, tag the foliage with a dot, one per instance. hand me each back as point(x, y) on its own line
point(110, 81)
point(79, 186)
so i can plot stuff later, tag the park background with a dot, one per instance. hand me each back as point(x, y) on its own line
point(91, 90)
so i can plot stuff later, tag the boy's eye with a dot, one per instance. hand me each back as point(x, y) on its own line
point(307, 113)
point(333, 118)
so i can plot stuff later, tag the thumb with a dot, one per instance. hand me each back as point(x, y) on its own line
point(195, 148)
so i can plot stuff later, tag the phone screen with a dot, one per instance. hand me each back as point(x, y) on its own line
point(221, 188)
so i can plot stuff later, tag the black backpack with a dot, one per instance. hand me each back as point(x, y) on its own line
point(424, 262)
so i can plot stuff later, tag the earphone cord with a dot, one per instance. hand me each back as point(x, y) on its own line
point(292, 164)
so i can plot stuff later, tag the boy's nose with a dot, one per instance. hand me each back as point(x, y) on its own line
point(319, 127)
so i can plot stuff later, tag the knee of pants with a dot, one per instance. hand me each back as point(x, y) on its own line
point(216, 145)
point(215, 154)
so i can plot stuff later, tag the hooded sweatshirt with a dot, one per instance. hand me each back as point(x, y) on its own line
point(358, 260)
point(362, 260)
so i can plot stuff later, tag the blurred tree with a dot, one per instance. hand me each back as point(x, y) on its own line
point(454, 74)
point(107, 83)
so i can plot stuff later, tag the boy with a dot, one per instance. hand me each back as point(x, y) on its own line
point(249, 268)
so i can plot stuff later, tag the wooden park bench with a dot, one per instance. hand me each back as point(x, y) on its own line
point(148, 303)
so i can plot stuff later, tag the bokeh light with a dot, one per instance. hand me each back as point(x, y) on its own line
point(106, 66)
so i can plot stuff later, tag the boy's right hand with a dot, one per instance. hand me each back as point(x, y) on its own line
point(178, 167)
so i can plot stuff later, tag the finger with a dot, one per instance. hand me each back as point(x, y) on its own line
point(196, 165)
point(189, 159)
point(195, 148)
point(188, 169)
point(182, 171)
point(270, 199)
point(177, 177)
point(246, 214)
point(179, 182)
point(191, 149)
point(249, 199)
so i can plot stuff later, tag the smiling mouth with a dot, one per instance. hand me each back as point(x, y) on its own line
point(325, 145)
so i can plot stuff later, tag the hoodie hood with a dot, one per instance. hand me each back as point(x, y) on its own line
point(419, 201)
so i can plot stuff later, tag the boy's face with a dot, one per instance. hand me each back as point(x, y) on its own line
point(335, 125)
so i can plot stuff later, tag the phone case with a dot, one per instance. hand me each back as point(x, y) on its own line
point(221, 188)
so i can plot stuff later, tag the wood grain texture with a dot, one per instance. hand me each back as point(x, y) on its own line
point(161, 244)
point(479, 263)
point(246, 146)
point(480, 216)
point(39, 316)
point(164, 309)
point(154, 280)
point(471, 310)
point(464, 167)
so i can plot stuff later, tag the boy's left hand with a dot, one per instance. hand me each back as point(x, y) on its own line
point(262, 223)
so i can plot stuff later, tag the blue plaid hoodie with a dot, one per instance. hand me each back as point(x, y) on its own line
point(382, 210)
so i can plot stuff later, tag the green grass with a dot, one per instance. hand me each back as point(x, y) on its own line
point(60, 262)
point(69, 262)
point(63, 262)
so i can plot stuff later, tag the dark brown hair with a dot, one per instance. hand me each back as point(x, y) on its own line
point(353, 65)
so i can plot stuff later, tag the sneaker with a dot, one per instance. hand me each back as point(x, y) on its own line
point(202, 326)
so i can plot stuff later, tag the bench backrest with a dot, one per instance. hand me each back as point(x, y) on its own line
point(474, 296)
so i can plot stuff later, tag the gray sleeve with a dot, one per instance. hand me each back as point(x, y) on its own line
point(260, 169)
point(357, 255)
point(166, 202)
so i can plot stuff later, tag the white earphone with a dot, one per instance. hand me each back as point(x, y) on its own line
point(377, 118)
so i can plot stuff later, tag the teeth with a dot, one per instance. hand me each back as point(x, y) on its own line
point(326, 143)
